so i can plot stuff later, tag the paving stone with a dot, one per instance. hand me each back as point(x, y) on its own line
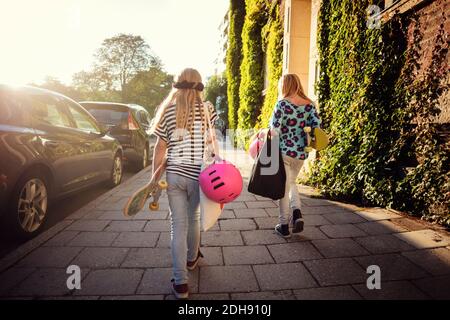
point(266, 223)
point(383, 244)
point(376, 214)
point(114, 216)
point(424, 239)
point(323, 210)
point(43, 282)
point(435, 261)
point(88, 225)
point(150, 216)
point(136, 240)
point(209, 296)
point(235, 205)
point(250, 213)
point(283, 276)
point(380, 227)
point(342, 231)
point(111, 282)
point(158, 225)
point(393, 267)
point(246, 255)
point(164, 240)
point(339, 271)
point(212, 256)
point(157, 281)
point(437, 288)
point(237, 224)
point(122, 226)
point(50, 257)
point(335, 248)
point(260, 204)
point(12, 277)
point(96, 258)
point(396, 290)
point(227, 214)
point(93, 239)
point(246, 197)
point(217, 279)
point(316, 202)
point(61, 239)
point(257, 237)
point(328, 293)
point(134, 297)
point(344, 218)
point(221, 238)
point(148, 258)
point(268, 295)
point(82, 298)
point(315, 220)
point(294, 252)
point(215, 227)
point(309, 233)
point(273, 212)
point(410, 224)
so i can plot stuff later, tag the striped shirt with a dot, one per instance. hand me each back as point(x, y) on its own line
point(185, 149)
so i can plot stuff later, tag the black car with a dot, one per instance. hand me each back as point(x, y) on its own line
point(128, 123)
point(50, 146)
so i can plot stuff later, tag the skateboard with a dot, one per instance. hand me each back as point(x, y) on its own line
point(152, 189)
point(318, 142)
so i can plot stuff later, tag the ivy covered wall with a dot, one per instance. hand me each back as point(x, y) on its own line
point(252, 67)
point(234, 59)
point(385, 149)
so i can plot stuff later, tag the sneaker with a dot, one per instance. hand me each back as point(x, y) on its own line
point(283, 230)
point(297, 221)
point(181, 291)
point(191, 265)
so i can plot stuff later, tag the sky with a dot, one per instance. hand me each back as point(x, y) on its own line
point(58, 38)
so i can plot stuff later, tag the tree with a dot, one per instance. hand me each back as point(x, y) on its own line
point(122, 57)
point(149, 88)
point(216, 92)
point(53, 84)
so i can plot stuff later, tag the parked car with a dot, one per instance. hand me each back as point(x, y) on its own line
point(50, 146)
point(128, 123)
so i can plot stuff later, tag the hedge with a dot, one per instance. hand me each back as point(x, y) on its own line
point(234, 59)
point(385, 149)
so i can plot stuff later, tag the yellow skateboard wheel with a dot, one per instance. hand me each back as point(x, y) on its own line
point(308, 149)
point(154, 206)
point(162, 184)
point(307, 129)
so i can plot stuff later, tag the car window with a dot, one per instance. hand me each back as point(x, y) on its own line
point(143, 118)
point(10, 109)
point(49, 110)
point(82, 120)
point(109, 117)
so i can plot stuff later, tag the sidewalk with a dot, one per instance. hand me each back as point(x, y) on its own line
point(124, 258)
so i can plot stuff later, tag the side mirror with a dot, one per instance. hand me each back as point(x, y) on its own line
point(104, 130)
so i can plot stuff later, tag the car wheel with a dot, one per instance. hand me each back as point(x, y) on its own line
point(116, 172)
point(28, 209)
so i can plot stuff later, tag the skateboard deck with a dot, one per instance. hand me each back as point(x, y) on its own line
point(152, 189)
point(319, 142)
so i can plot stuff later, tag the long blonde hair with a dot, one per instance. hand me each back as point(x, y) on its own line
point(290, 85)
point(185, 100)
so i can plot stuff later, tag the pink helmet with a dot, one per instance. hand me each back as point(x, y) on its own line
point(255, 147)
point(221, 182)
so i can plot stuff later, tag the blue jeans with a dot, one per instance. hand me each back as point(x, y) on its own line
point(184, 199)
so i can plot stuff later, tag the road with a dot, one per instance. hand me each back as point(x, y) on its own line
point(62, 209)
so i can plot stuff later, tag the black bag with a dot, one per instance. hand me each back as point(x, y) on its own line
point(268, 185)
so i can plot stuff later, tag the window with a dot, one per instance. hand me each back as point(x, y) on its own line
point(143, 118)
point(82, 120)
point(49, 110)
point(10, 109)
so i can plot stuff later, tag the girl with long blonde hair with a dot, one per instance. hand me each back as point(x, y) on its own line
point(180, 125)
point(293, 112)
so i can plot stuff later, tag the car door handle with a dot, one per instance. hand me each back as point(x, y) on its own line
point(51, 144)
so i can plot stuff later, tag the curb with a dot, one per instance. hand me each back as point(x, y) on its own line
point(29, 246)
